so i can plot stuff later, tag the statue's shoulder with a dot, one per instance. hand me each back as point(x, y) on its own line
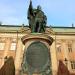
point(40, 13)
point(34, 10)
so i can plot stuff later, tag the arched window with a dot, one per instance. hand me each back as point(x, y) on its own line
point(73, 64)
point(58, 47)
point(69, 47)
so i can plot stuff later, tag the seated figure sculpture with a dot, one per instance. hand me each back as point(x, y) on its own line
point(37, 19)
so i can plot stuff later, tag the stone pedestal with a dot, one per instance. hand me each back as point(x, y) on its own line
point(43, 42)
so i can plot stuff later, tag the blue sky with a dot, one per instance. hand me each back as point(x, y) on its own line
point(58, 12)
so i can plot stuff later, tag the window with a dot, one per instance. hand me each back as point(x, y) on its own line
point(2, 44)
point(58, 48)
point(70, 47)
point(73, 64)
point(13, 46)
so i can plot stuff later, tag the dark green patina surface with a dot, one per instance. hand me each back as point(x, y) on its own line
point(37, 19)
point(37, 59)
point(37, 55)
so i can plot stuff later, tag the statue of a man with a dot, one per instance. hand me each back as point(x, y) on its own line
point(37, 19)
point(40, 20)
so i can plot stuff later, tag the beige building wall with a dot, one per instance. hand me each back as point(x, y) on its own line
point(59, 40)
point(65, 53)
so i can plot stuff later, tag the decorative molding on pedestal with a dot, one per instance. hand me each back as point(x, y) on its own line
point(37, 36)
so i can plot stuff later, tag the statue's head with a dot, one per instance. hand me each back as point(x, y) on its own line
point(38, 7)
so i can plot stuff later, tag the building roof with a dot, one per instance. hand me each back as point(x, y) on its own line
point(56, 29)
point(64, 29)
point(12, 28)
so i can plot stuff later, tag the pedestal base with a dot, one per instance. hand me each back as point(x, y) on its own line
point(36, 56)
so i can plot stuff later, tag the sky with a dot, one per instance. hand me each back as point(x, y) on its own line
point(58, 12)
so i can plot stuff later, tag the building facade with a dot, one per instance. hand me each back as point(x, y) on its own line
point(62, 48)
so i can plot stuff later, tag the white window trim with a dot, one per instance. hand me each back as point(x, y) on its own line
point(2, 45)
point(58, 48)
point(13, 46)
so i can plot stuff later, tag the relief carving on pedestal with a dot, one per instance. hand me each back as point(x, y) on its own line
point(36, 59)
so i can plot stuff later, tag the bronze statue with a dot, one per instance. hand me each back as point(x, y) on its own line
point(37, 19)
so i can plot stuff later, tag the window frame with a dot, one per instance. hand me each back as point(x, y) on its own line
point(69, 47)
point(72, 65)
point(13, 46)
point(3, 46)
point(58, 47)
